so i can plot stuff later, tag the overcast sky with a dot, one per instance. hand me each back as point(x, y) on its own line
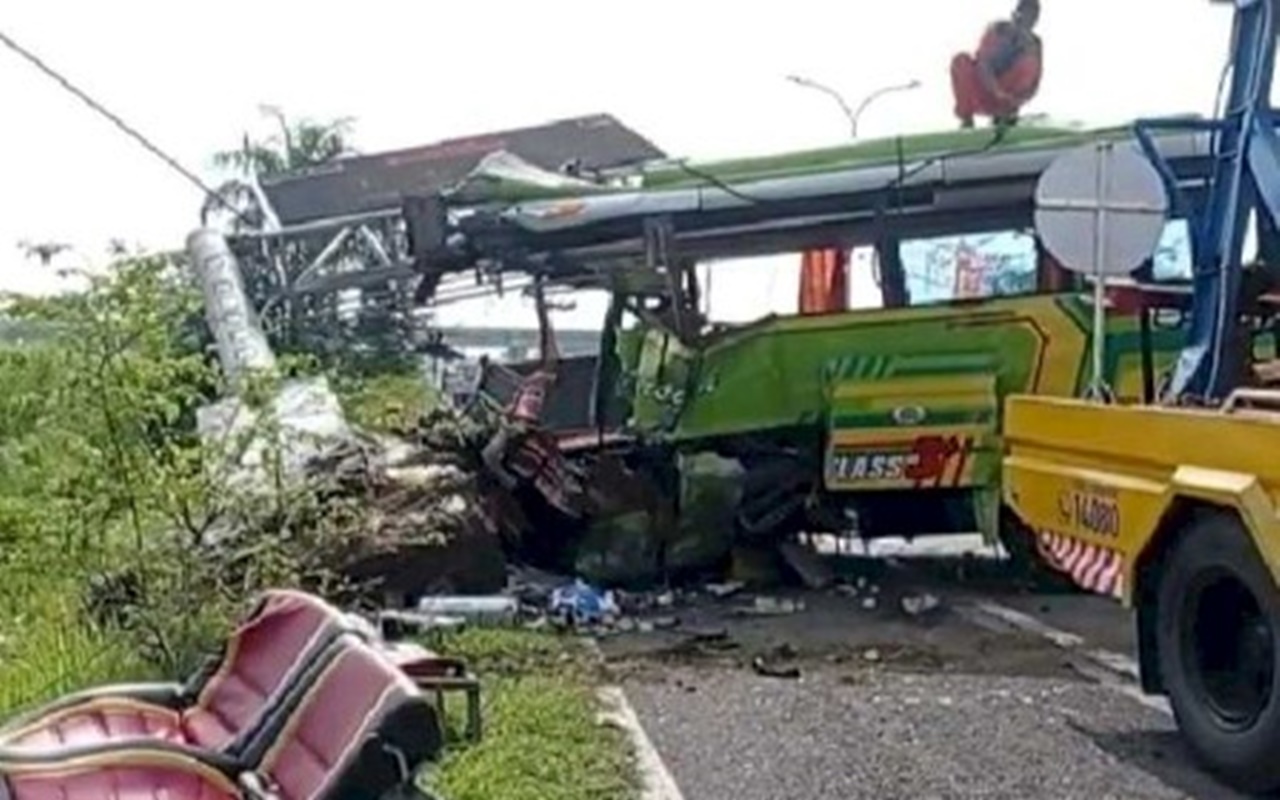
point(702, 79)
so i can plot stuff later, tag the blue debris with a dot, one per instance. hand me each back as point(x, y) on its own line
point(580, 603)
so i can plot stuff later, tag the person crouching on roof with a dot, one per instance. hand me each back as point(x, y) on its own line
point(1004, 74)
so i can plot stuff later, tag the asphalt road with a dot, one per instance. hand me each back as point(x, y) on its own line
point(890, 704)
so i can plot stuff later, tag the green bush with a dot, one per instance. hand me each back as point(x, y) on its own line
point(109, 501)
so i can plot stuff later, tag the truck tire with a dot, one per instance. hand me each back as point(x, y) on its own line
point(1217, 635)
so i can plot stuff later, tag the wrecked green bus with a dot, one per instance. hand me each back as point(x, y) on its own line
point(877, 420)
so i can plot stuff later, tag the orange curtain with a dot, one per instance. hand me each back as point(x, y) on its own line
point(824, 281)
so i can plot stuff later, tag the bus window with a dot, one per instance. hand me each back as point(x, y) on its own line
point(864, 278)
point(1172, 259)
point(969, 266)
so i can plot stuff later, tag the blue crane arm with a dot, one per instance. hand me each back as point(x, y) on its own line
point(1245, 178)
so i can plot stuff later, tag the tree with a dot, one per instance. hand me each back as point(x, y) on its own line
point(236, 206)
point(298, 145)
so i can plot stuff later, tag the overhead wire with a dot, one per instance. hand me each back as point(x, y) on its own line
point(115, 119)
point(66, 84)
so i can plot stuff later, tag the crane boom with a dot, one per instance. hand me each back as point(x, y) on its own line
point(1245, 179)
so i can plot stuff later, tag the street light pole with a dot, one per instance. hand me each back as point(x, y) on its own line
point(853, 114)
point(877, 94)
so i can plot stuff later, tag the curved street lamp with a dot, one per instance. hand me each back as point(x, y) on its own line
point(852, 114)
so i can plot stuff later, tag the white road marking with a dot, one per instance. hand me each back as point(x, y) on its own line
point(1028, 623)
point(1113, 670)
point(656, 780)
point(1117, 662)
point(657, 783)
point(1108, 678)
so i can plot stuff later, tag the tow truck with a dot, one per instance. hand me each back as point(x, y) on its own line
point(1173, 506)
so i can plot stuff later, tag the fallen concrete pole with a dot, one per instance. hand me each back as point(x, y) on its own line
point(242, 345)
point(304, 413)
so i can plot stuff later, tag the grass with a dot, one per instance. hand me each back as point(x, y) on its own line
point(543, 737)
point(47, 651)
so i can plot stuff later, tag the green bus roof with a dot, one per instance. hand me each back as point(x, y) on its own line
point(481, 189)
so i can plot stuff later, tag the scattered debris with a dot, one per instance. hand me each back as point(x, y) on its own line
point(412, 527)
point(695, 643)
point(772, 606)
point(779, 662)
point(708, 635)
point(919, 605)
point(397, 624)
point(579, 603)
point(532, 586)
point(769, 670)
point(807, 564)
point(489, 609)
point(721, 591)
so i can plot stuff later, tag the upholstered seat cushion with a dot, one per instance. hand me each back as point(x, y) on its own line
point(219, 709)
point(361, 729)
point(121, 775)
point(98, 720)
point(358, 729)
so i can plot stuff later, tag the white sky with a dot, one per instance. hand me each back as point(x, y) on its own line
point(700, 79)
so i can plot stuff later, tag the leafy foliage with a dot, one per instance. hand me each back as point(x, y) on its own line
point(124, 554)
point(298, 145)
point(115, 556)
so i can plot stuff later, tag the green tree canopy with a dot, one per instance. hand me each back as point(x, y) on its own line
point(299, 144)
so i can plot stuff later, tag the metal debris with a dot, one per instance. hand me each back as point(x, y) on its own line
point(919, 605)
point(722, 590)
point(772, 606)
point(770, 670)
point(813, 571)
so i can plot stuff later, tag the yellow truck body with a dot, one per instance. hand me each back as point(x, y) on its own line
point(1100, 487)
point(1174, 512)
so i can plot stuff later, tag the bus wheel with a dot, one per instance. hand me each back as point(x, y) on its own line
point(1217, 637)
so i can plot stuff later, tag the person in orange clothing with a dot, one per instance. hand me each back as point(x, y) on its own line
point(824, 281)
point(1004, 73)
